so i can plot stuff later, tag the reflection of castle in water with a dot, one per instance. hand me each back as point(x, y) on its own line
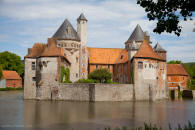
point(83, 115)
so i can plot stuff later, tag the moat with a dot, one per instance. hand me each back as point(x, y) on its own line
point(16, 113)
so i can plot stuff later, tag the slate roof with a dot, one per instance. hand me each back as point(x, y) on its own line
point(103, 55)
point(82, 17)
point(158, 48)
point(7, 74)
point(137, 35)
point(176, 69)
point(146, 51)
point(66, 31)
point(36, 50)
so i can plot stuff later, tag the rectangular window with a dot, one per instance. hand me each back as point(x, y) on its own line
point(140, 65)
point(96, 66)
point(33, 78)
point(108, 67)
point(77, 59)
point(77, 75)
point(33, 66)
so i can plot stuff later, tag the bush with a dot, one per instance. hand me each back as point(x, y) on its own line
point(85, 81)
point(1, 69)
point(100, 75)
point(9, 89)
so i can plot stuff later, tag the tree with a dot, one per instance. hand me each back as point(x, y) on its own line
point(100, 75)
point(11, 61)
point(174, 62)
point(168, 13)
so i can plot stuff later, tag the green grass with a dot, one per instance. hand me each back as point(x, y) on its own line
point(189, 126)
point(10, 89)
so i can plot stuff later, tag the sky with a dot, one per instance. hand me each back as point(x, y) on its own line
point(110, 23)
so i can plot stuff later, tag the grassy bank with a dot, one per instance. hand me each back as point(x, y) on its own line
point(189, 126)
point(10, 89)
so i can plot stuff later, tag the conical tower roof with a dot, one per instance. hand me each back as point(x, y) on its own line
point(158, 48)
point(82, 17)
point(66, 31)
point(146, 51)
point(137, 35)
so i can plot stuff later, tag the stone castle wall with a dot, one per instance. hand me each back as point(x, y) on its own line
point(87, 92)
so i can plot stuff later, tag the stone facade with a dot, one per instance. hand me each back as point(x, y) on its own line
point(88, 92)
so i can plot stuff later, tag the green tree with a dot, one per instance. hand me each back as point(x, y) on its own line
point(168, 13)
point(11, 61)
point(100, 75)
point(174, 62)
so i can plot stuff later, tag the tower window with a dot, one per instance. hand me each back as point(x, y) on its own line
point(33, 66)
point(77, 59)
point(33, 78)
point(77, 75)
point(140, 65)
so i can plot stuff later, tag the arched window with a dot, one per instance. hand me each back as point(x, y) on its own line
point(140, 65)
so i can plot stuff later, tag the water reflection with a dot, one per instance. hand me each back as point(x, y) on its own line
point(90, 115)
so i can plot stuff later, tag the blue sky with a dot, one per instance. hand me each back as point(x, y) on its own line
point(110, 23)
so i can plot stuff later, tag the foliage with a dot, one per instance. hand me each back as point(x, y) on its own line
point(1, 72)
point(9, 89)
point(190, 67)
point(85, 81)
point(174, 62)
point(100, 75)
point(180, 94)
point(65, 72)
point(191, 84)
point(189, 126)
point(11, 61)
point(168, 13)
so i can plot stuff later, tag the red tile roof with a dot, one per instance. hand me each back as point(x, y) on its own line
point(176, 69)
point(7, 74)
point(103, 55)
point(123, 57)
point(146, 51)
point(36, 50)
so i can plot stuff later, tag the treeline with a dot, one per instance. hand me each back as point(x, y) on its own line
point(190, 67)
point(11, 61)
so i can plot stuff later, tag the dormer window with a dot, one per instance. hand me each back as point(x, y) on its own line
point(122, 56)
point(68, 30)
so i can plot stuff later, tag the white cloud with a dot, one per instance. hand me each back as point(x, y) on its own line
point(110, 23)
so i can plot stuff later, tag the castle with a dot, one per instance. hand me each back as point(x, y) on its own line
point(137, 64)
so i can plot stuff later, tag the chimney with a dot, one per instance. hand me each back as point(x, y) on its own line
point(29, 50)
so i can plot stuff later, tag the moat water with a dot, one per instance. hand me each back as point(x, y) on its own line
point(16, 113)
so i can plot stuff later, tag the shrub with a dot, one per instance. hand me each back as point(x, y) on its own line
point(65, 72)
point(100, 75)
point(85, 81)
